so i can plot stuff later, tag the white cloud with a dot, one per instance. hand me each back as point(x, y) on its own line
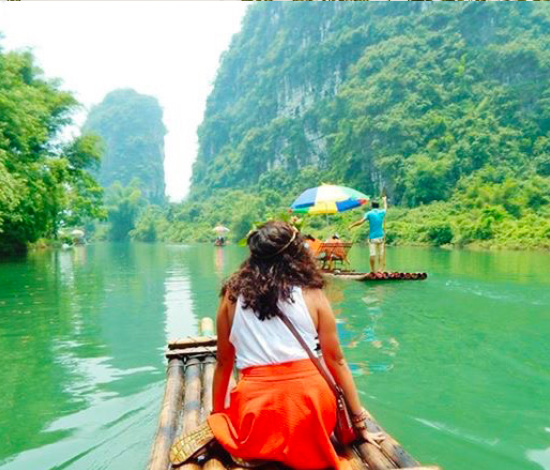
point(167, 49)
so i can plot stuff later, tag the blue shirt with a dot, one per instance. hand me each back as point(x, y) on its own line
point(376, 223)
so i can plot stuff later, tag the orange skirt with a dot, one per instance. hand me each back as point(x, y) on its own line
point(284, 412)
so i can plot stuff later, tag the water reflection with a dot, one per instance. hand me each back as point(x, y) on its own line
point(178, 304)
point(219, 261)
point(85, 328)
point(359, 311)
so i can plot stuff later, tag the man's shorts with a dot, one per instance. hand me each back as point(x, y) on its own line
point(376, 246)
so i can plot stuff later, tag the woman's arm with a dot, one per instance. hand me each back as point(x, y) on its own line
point(225, 357)
point(333, 355)
point(336, 362)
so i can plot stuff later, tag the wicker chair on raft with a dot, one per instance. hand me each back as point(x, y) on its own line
point(332, 255)
point(188, 401)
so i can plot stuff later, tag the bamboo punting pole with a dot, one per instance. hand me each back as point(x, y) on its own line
point(168, 420)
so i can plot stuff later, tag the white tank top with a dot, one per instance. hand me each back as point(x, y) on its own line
point(260, 343)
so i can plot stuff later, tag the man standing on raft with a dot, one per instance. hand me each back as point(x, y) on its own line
point(377, 239)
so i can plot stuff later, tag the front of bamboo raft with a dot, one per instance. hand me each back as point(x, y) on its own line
point(188, 401)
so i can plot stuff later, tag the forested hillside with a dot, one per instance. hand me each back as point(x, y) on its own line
point(447, 105)
point(130, 125)
point(45, 183)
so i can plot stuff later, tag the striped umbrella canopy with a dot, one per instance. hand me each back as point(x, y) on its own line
point(328, 199)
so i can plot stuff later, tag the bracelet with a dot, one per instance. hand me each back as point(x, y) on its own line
point(358, 418)
point(360, 426)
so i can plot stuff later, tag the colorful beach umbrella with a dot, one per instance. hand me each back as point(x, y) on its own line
point(328, 199)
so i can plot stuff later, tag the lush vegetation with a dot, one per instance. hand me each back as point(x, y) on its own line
point(131, 127)
point(45, 182)
point(447, 106)
point(132, 169)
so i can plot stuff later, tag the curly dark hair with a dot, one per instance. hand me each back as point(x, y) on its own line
point(279, 260)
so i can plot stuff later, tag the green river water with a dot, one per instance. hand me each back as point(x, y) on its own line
point(456, 367)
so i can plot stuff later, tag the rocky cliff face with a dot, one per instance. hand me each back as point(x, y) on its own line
point(131, 127)
point(371, 94)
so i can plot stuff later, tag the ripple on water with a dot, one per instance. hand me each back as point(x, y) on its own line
point(113, 433)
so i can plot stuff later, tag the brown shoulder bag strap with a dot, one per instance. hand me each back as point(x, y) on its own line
point(326, 375)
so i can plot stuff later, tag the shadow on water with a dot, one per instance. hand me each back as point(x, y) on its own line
point(455, 366)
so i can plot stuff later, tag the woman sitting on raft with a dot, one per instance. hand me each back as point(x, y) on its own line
point(282, 409)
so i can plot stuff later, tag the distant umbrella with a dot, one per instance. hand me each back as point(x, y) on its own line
point(77, 233)
point(220, 229)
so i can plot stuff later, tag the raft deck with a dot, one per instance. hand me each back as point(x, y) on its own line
point(188, 401)
point(367, 277)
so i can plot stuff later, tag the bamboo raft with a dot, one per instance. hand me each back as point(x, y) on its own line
point(188, 401)
point(391, 276)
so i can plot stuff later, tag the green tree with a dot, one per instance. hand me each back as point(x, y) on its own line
point(124, 204)
point(45, 181)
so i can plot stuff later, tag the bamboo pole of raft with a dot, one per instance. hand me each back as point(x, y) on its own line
point(191, 403)
point(374, 457)
point(192, 398)
point(390, 447)
point(207, 328)
point(353, 459)
point(169, 414)
point(207, 382)
point(431, 467)
point(189, 342)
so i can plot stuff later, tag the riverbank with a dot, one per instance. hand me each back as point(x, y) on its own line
point(441, 224)
point(485, 227)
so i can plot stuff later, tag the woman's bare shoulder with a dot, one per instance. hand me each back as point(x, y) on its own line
point(316, 299)
point(312, 293)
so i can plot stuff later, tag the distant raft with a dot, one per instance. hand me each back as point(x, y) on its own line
point(385, 276)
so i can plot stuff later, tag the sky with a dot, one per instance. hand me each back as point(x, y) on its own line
point(167, 49)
